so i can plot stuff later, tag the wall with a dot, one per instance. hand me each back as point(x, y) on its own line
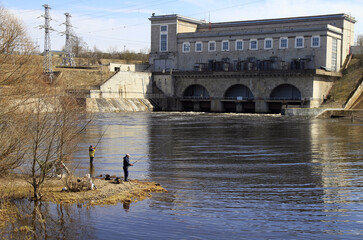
point(121, 67)
point(261, 86)
point(356, 50)
point(117, 105)
point(317, 55)
point(165, 83)
point(125, 85)
point(313, 87)
point(339, 26)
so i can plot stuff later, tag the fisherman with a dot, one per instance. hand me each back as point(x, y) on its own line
point(92, 151)
point(126, 166)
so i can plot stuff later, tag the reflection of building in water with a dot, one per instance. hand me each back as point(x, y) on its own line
point(330, 151)
point(233, 157)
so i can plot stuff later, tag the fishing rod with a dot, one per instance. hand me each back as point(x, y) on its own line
point(102, 136)
point(138, 159)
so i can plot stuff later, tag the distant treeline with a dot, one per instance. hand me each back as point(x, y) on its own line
point(128, 56)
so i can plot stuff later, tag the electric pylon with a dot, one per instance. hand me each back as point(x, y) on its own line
point(47, 64)
point(68, 57)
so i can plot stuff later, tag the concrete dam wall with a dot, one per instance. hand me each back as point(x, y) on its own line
point(118, 105)
point(123, 92)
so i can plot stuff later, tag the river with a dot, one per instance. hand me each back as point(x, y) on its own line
point(228, 176)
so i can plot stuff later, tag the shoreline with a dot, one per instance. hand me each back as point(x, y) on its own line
point(107, 192)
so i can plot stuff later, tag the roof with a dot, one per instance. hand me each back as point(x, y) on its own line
point(203, 23)
point(176, 17)
point(284, 20)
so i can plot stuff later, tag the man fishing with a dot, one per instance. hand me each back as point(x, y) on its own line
point(126, 166)
point(91, 151)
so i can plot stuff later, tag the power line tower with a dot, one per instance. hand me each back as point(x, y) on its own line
point(47, 64)
point(68, 57)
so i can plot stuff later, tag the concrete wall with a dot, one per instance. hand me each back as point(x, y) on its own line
point(165, 83)
point(311, 112)
point(125, 85)
point(356, 98)
point(260, 86)
point(321, 88)
point(124, 67)
point(356, 50)
point(313, 87)
point(117, 105)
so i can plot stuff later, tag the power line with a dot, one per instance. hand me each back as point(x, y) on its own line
point(130, 8)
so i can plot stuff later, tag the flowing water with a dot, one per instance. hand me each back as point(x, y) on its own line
point(229, 176)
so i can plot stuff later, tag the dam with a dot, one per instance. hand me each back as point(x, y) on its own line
point(259, 66)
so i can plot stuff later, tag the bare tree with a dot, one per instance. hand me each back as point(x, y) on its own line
point(54, 128)
point(17, 68)
point(39, 123)
point(16, 50)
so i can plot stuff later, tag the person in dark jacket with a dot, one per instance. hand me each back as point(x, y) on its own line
point(126, 166)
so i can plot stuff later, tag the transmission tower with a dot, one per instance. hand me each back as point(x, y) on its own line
point(47, 64)
point(68, 57)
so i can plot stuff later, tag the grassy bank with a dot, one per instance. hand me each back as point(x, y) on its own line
point(107, 192)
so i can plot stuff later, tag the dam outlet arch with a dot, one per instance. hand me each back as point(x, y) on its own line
point(239, 98)
point(196, 98)
point(284, 95)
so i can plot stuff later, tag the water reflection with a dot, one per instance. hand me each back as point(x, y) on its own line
point(272, 169)
point(228, 175)
point(42, 220)
point(334, 149)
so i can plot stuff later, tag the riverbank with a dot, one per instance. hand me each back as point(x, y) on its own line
point(106, 191)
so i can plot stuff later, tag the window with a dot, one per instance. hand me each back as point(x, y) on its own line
point(163, 28)
point(198, 46)
point(212, 46)
point(299, 42)
point(315, 41)
point(283, 42)
point(268, 43)
point(186, 47)
point(163, 42)
point(225, 45)
point(239, 45)
point(163, 38)
point(334, 53)
point(253, 44)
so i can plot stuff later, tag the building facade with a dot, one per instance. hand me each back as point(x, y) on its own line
point(287, 46)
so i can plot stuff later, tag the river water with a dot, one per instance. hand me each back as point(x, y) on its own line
point(228, 176)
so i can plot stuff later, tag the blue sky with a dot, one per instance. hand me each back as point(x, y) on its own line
point(117, 25)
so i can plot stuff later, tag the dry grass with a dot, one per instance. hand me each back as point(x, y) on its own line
point(343, 87)
point(107, 192)
point(83, 78)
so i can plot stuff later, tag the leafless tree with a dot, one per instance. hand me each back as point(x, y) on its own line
point(39, 123)
point(54, 128)
point(17, 69)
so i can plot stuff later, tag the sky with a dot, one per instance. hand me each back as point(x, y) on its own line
point(118, 25)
